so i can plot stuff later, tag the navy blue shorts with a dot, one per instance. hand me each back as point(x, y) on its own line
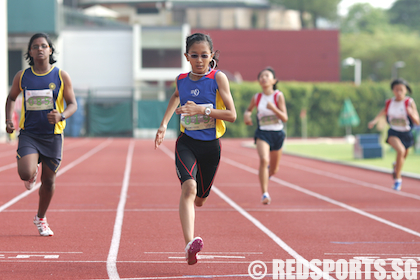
point(48, 146)
point(198, 160)
point(274, 138)
point(407, 138)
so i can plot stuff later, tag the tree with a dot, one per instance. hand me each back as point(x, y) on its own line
point(406, 12)
point(364, 17)
point(316, 9)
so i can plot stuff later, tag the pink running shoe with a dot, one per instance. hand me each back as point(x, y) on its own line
point(29, 185)
point(192, 248)
point(42, 225)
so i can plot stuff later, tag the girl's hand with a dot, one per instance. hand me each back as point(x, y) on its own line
point(247, 118)
point(54, 116)
point(10, 127)
point(160, 135)
point(371, 124)
point(271, 106)
point(190, 109)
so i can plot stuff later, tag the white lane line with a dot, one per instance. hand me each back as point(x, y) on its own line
point(111, 263)
point(9, 166)
point(321, 197)
point(60, 172)
point(352, 180)
point(263, 228)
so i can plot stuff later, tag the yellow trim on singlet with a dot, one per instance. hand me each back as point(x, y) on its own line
point(59, 127)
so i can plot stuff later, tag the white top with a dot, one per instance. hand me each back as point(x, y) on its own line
point(397, 115)
point(267, 119)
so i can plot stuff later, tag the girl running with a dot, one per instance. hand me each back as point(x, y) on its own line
point(269, 136)
point(44, 88)
point(401, 113)
point(206, 102)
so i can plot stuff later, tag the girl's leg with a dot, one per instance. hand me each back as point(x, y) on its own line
point(402, 153)
point(186, 209)
point(263, 150)
point(27, 166)
point(46, 191)
point(274, 162)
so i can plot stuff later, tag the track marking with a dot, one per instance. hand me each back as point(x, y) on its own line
point(321, 197)
point(111, 263)
point(263, 228)
point(60, 172)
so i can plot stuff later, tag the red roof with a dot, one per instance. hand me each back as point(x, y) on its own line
point(305, 55)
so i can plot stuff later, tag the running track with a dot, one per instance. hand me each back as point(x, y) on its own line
point(115, 215)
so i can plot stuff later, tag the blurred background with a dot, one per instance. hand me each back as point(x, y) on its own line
point(124, 55)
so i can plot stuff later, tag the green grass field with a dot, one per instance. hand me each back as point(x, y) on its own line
point(343, 152)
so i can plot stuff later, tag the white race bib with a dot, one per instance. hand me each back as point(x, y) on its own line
point(198, 122)
point(38, 100)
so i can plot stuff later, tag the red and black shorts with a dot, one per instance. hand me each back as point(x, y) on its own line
point(198, 160)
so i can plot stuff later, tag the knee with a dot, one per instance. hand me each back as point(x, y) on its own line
point(199, 201)
point(189, 189)
point(25, 176)
point(264, 161)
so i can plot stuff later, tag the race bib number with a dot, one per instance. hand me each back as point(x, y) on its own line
point(267, 120)
point(398, 122)
point(38, 100)
point(198, 122)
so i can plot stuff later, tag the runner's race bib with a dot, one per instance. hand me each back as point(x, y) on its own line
point(267, 120)
point(198, 122)
point(38, 100)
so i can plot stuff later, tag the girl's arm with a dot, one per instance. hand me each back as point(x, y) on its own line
point(280, 110)
point(373, 122)
point(10, 102)
point(248, 112)
point(71, 104)
point(191, 109)
point(413, 113)
point(173, 103)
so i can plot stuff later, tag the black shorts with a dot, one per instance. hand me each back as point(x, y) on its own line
point(49, 147)
point(198, 160)
point(274, 138)
point(407, 138)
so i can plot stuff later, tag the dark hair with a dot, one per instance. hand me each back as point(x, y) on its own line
point(400, 81)
point(274, 75)
point(200, 37)
point(36, 36)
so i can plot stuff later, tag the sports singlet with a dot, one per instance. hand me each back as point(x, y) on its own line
point(203, 92)
point(396, 113)
point(266, 118)
point(41, 94)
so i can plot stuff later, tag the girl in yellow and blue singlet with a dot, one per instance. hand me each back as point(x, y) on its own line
point(206, 102)
point(44, 88)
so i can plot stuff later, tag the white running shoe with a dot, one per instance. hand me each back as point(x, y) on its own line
point(29, 185)
point(42, 225)
point(266, 199)
point(192, 248)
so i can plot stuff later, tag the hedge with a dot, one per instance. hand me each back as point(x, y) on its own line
point(322, 102)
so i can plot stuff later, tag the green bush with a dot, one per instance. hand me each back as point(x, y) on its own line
point(323, 103)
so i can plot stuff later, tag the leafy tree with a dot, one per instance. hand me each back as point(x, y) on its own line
point(406, 12)
point(364, 17)
point(316, 9)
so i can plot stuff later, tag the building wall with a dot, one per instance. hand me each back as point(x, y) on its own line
point(97, 58)
point(305, 55)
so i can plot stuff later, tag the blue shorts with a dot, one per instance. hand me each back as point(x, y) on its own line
point(407, 138)
point(48, 146)
point(274, 138)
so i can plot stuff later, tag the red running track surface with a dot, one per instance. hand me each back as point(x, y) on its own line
point(115, 215)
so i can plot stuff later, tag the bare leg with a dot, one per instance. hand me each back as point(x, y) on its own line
point(186, 209)
point(263, 150)
point(274, 162)
point(46, 191)
point(402, 153)
point(27, 166)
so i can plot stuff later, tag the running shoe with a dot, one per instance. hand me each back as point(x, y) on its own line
point(394, 175)
point(266, 199)
point(29, 185)
point(397, 185)
point(192, 248)
point(42, 225)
